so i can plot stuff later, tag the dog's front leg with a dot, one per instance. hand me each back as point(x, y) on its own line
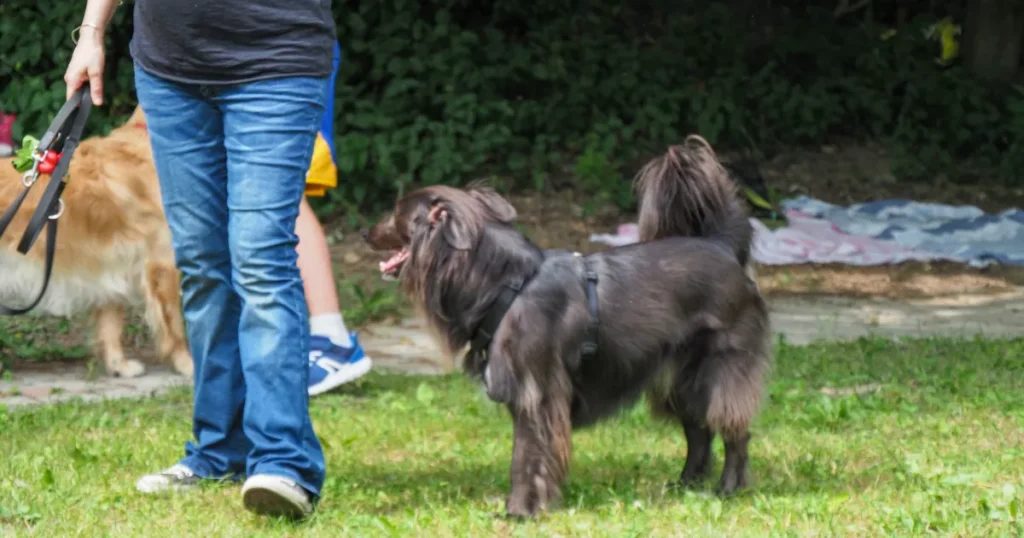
point(162, 285)
point(109, 328)
point(540, 456)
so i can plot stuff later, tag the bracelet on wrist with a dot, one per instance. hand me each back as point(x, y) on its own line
point(78, 30)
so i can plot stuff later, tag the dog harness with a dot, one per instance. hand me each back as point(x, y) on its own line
point(590, 335)
point(484, 333)
point(485, 330)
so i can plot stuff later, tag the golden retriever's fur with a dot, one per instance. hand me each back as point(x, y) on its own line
point(113, 247)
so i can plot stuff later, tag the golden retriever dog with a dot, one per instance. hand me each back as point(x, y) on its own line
point(113, 248)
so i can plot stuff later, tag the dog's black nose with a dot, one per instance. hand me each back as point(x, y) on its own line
point(365, 233)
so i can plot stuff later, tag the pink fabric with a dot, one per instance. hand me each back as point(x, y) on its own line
point(6, 140)
point(809, 240)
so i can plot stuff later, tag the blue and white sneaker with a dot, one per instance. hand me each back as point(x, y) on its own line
point(331, 366)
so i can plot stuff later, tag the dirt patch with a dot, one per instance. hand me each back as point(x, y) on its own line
point(903, 281)
point(862, 173)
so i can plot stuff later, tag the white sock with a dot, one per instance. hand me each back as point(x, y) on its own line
point(332, 326)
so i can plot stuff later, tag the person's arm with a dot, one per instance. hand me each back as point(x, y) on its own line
point(97, 15)
point(88, 58)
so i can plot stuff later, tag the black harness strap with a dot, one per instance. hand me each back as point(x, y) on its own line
point(69, 125)
point(590, 336)
point(489, 325)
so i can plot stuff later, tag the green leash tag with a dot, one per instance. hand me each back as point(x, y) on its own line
point(23, 158)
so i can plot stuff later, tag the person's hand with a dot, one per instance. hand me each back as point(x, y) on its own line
point(87, 64)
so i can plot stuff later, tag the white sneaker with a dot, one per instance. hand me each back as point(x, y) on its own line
point(270, 495)
point(175, 478)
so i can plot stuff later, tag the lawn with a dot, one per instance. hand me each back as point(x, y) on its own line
point(906, 438)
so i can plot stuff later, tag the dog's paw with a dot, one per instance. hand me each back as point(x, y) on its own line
point(691, 479)
point(519, 514)
point(683, 485)
point(517, 507)
point(184, 365)
point(733, 481)
point(523, 507)
point(691, 482)
point(129, 368)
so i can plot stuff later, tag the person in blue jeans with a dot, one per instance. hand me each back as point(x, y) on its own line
point(232, 107)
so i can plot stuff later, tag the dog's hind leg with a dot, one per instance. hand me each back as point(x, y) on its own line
point(541, 451)
point(163, 314)
point(688, 404)
point(698, 452)
point(735, 471)
point(735, 382)
point(109, 320)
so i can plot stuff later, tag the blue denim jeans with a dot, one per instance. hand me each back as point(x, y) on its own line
point(232, 166)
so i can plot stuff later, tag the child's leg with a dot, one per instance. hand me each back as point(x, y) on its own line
point(335, 356)
point(318, 279)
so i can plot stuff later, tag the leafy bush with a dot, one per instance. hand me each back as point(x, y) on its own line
point(573, 92)
point(35, 47)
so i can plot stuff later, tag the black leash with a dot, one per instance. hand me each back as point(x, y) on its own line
point(62, 136)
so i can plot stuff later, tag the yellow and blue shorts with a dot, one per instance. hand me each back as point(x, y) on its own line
point(323, 167)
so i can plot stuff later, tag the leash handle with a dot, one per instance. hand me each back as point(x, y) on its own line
point(69, 125)
point(74, 112)
point(57, 126)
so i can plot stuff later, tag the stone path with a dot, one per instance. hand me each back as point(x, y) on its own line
point(405, 347)
point(807, 319)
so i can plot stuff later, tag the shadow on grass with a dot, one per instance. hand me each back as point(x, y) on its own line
point(595, 484)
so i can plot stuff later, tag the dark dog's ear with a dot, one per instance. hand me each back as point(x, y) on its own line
point(459, 231)
point(498, 206)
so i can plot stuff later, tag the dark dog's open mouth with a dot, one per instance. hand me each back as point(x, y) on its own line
point(392, 267)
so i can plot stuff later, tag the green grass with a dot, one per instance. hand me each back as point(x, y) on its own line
point(938, 448)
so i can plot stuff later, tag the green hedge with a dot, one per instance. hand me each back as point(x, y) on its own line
point(549, 93)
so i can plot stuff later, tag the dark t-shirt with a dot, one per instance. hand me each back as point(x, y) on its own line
point(233, 41)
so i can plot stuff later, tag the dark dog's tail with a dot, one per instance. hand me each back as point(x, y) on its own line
point(687, 192)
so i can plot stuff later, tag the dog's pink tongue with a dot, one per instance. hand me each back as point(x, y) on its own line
point(394, 261)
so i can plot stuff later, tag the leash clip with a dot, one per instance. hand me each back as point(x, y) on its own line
point(29, 178)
